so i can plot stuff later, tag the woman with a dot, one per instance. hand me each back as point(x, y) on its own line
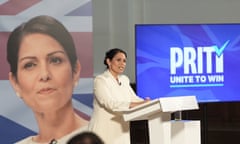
point(113, 93)
point(43, 72)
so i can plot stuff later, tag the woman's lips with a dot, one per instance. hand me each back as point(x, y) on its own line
point(46, 90)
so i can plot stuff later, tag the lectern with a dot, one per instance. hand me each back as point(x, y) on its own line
point(158, 113)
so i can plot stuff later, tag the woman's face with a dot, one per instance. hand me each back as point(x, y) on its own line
point(45, 79)
point(117, 64)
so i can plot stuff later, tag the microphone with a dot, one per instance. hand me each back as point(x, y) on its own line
point(119, 82)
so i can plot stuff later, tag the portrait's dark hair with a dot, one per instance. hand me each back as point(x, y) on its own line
point(44, 25)
point(85, 138)
point(111, 53)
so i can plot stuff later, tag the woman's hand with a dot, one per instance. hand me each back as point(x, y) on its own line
point(134, 104)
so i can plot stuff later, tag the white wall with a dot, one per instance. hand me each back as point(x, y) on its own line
point(114, 20)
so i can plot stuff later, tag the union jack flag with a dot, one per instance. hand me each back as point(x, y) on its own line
point(16, 119)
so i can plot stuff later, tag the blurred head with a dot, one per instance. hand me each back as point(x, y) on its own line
point(85, 138)
point(44, 65)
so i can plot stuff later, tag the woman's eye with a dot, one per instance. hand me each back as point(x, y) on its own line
point(55, 60)
point(29, 65)
point(122, 60)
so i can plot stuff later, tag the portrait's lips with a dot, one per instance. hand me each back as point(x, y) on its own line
point(46, 90)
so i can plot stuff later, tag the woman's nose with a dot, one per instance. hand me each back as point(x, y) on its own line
point(44, 73)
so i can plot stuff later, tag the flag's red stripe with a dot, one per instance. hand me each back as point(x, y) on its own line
point(83, 42)
point(83, 115)
point(13, 7)
point(3, 62)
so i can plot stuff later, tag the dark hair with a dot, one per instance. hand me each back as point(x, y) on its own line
point(111, 53)
point(44, 25)
point(85, 138)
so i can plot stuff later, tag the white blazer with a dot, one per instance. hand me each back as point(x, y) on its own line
point(110, 97)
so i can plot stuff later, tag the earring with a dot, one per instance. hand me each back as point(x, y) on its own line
point(18, 95)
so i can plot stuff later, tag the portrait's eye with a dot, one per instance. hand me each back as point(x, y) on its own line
point(55, 60)
point(29, 65)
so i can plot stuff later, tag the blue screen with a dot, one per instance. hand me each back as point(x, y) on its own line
point(188, 59)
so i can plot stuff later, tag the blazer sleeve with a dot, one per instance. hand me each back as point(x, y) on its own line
point(134, 97)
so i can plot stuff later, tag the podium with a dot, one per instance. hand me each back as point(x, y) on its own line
point(163, 130)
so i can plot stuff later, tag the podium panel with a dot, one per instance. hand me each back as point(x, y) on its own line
point(159, 128)
point(185, 132)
